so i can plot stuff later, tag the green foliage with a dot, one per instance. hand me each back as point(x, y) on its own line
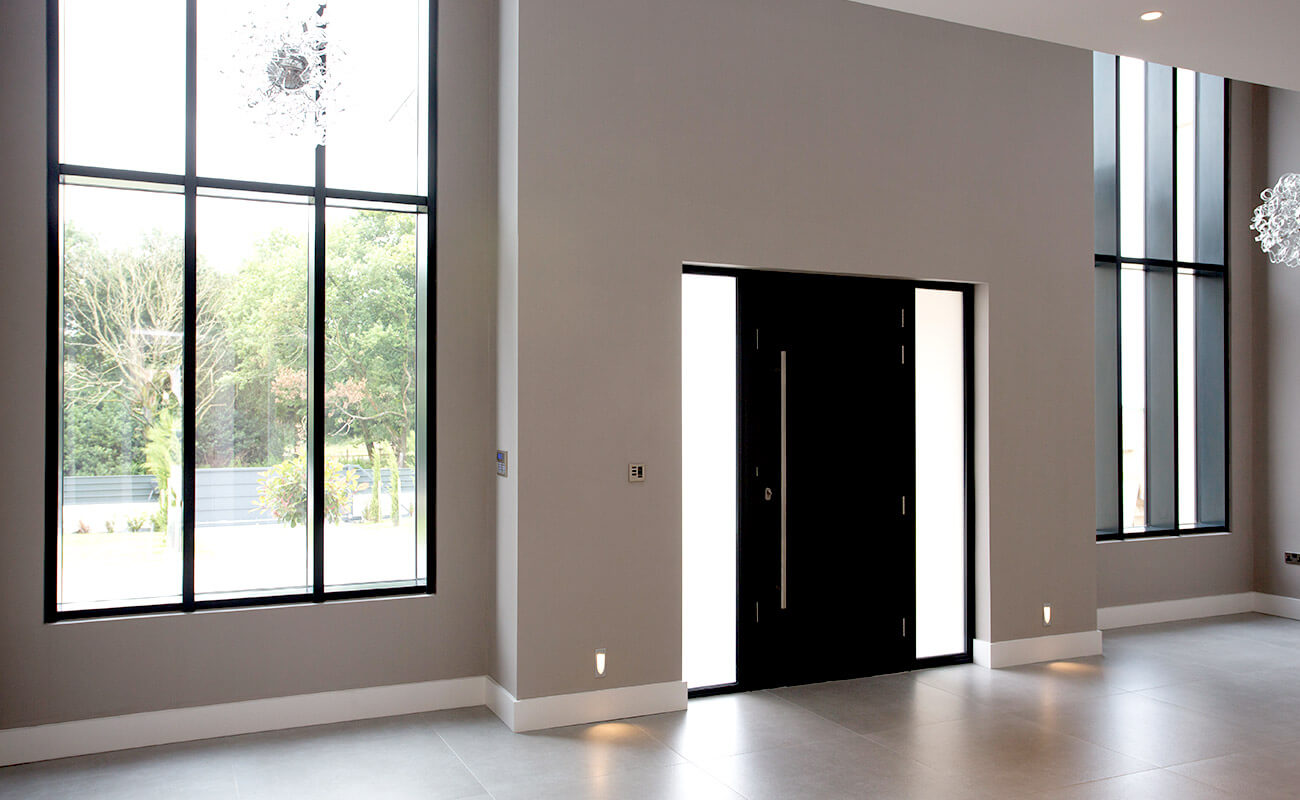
point(283, 490)
point(396, 496)
point(159, 519)
point(162, 449)
point(100, 438)
point(109, 525)
point(372, 512)
point(135, 524)
point(251, 398)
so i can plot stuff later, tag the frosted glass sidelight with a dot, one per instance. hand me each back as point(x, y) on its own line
point(940, 474)
point(708, 480)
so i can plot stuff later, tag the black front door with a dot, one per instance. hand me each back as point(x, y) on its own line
point(826, 584)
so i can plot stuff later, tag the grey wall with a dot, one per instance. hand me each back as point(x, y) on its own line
point(50, 673)
point(819, 135)
point(505, 663)
point(1196, 566)
point(1280, 335)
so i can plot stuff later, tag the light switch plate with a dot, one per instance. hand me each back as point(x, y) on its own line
point(636, 473)
point(1291, 558)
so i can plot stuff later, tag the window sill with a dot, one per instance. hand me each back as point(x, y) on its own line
point(1138, 536)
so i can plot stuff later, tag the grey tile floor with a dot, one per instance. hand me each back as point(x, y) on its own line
point(1192, 711)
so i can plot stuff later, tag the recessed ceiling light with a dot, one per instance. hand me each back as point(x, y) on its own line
point(1152, 16)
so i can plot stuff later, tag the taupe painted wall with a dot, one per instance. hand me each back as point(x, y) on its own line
point(819, 135)
point(50, 673)
point(1196, 566)
point(1280, 342)
point(504, 667)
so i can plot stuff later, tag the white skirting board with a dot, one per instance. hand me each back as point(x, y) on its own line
point(1174, 610)
point(82, 737)
point(1277, 605)
point(1014, 652)
point(537, 713)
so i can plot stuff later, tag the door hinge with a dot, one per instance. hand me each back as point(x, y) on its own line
point(755, 611)
point(902, 354)
point(902, 317)
point(904, 627)
point(905, 505)
point(756, 338)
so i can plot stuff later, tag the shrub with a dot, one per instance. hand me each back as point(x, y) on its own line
point(283, 490)
point(108, 525)
point(397, 489)
point(372, 512)
point(83, 526)
point(162, 449)
point(135, 524)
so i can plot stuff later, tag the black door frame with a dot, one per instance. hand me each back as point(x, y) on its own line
point(745, 683)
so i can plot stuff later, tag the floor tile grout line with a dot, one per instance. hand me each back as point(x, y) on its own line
point(463, 763)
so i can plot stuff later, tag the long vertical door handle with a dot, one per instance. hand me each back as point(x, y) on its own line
point(783, 473)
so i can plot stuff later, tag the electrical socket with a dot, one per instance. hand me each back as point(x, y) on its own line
point(1291, 558)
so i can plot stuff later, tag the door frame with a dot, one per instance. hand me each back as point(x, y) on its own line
point(744, 682)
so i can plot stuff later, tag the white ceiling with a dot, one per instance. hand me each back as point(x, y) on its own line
point(1251, 40)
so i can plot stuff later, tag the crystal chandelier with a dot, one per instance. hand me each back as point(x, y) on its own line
point(285, 68)
point(1277, 221)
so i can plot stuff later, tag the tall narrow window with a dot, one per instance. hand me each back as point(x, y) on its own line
point(1159, 150)
point(240, 248)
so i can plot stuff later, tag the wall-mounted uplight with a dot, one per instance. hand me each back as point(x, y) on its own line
point(1047, 614)
point(1152, 16)
point(600, 662)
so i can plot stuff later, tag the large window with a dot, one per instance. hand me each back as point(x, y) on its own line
point(1160, 137)
point(241, 302)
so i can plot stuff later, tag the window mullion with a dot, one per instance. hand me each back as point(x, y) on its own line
point(316, 387)
point(189, 426)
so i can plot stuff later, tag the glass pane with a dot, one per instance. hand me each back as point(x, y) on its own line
point(940, 474)
point(122, 101)
point(1186, 398)
point(1186, 155)
point(1210, 141)
point(123, 306)
point(370, 395)
point(374, 135)
point(256, 90)
point(1211, 402)
point(708, 480)
point(1132, 295)
point(251, 536)
point(1104, 153)
point(1161, 407)
point(1106, 314)
point(1159, 199)
point(1132, 157)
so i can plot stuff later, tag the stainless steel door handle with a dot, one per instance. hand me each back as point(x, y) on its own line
point(783, 481)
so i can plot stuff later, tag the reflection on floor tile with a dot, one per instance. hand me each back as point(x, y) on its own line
point(1197, 710)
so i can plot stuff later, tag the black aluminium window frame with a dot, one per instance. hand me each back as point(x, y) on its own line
point(189, 184)
point(967, 291)
point(1222, 271)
